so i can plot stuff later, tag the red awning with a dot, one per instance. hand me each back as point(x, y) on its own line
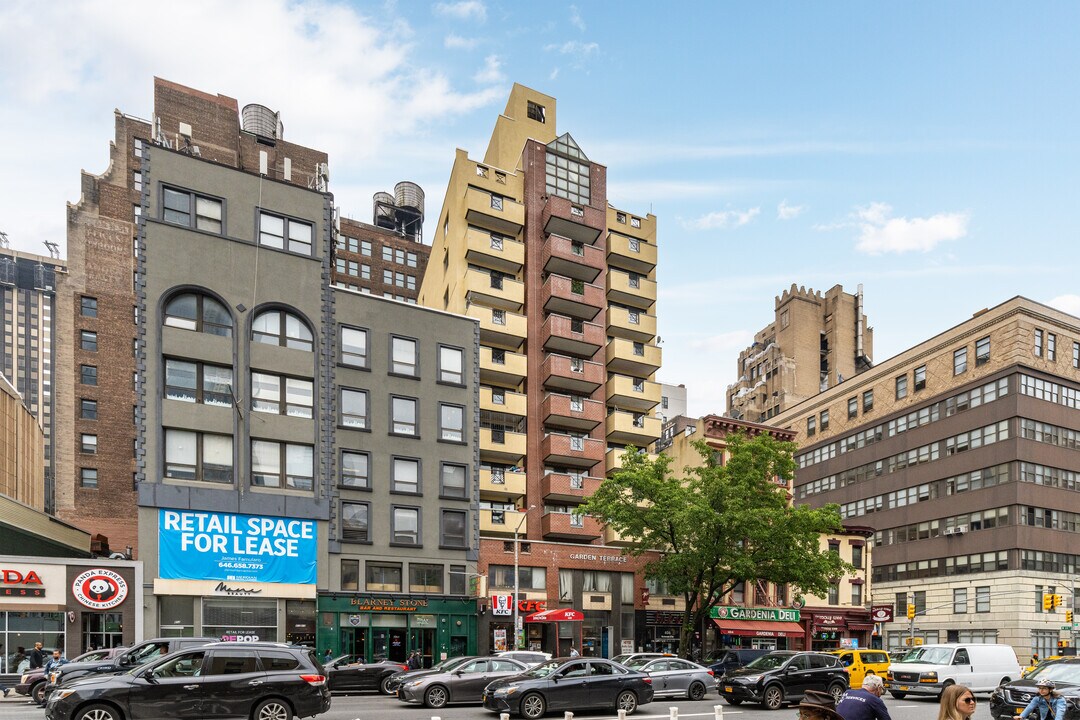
point(555, 615)
point(759, 628)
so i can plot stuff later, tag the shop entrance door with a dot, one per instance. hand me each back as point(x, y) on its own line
point(423, 639)
point(102, 630)
point(354, 641)
point(388, 644)
point(459, 645)
point(763, 644)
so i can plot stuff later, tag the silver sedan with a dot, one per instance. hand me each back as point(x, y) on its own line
point(675, 677)
point(465, 683)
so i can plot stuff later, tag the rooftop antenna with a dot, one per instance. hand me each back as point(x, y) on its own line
point(4, 241)
point(54, 249)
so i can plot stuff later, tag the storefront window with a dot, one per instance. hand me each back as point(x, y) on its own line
point(626, 589)
point(300, 622)
point(566, 585)
point(240, 618)
point(597, 581)
point(26, 628)
point(177, 616)
point(102, 630)
point(626, 628)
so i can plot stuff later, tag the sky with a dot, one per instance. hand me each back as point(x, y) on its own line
point(928, 151)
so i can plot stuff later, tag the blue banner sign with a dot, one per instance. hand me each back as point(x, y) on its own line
point(196, 545)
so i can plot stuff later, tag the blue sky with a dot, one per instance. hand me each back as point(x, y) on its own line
point(926, 150)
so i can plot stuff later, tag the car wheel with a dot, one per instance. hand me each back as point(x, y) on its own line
point(696, 691)
point(837, 691)
point(945, 686)
point(37, 692)
point(435, 697)
point(773, 698)
point(898, 695)
point(533, 706)
point(384, 686)
point(626, 701)
point(98, 712)
point(273, 709)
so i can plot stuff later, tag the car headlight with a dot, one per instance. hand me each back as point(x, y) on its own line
point(928, 677)
point(414, 683)
point(750, 678)
point(61, 694)
point(504, 691)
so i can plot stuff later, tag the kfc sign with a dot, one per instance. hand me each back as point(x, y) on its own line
point(21, 583)
point(501, 605)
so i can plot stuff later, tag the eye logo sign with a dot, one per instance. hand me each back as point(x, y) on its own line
point(99, 589)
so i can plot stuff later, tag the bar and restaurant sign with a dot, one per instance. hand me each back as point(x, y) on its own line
point(745, 613)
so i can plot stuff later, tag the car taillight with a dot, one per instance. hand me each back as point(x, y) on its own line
point(314, 680)
point(710, 672)
point(648, 680)
point(404, 667)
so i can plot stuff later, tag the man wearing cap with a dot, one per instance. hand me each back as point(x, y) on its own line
point(818, 706)
point(1048, 703)
point(864, 703)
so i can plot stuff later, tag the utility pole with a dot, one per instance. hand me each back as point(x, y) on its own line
point(517, 618)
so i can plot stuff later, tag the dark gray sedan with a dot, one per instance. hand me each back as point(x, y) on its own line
point(464, 683)
point(675, 677)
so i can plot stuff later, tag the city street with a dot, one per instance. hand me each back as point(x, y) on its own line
point(368, 707)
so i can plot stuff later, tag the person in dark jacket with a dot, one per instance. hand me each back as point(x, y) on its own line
point(37, 657)
point(864, 703)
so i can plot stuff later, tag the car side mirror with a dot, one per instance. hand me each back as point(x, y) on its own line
point(554, 678)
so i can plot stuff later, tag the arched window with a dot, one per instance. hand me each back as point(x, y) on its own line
point(201, 313)
point(279, 327)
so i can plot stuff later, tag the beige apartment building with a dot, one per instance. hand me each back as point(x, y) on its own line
point(814, 343)
point(962, 453)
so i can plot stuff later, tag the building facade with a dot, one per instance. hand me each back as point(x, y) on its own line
point(672, 402)
point(960, 452)
point(814, 342)
point(563, 287)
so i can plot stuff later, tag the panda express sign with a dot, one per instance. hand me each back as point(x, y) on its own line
point(31, 583)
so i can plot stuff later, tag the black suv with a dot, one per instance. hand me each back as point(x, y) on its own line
point(783, 676)
point(1010, 699)
point(222, 680)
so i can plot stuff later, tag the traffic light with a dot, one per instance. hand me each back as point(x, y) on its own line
point(1057, 601)
point(911, 611)
point(1063, 643)
point(1048, 602)
point(1068, 616)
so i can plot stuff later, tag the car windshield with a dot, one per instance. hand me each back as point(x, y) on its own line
point(933, 656)
point(767, 662)
point(544, 669)
point(1066, 672)
point(638, 662)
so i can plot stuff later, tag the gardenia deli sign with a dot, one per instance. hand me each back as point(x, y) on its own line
point(195, 545)
point(745, 613)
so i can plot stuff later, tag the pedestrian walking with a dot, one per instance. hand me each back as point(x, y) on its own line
point(957, 703)
point(817, 705)
point(1048, 703)
point(327, 656)
point(53, 664)
point(864, 703)
point(37, 656)
point(573, 651)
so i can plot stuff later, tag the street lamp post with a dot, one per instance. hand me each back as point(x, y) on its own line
point(517, 531)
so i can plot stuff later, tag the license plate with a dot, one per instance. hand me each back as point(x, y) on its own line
point(727, 688)
point(903, 687)
point(1017, 711)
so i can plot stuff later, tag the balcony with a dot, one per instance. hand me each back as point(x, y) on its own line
point(634, 290)
point(632, 358)
point(502, 446)
point(494, 291)
point(575, 298)
point(629, 429)
point(502, 367)
point(502, 214)
point(572, 259)
point(573, 413)
point(564, 526)
point(633, 225)
point(501, 485)
point(631, 324)
point(499, 327)
point(613, 459)
point(573, 376)
point(611, 537)
point(502, 522)
point(627, 393)
point(571, 451)
point(631, 254)
point(511, 403)
point(494, 251)
point(572, 336)
point(577, 222)
point(558, 488)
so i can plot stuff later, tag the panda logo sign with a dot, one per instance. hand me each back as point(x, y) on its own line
point(99, 589)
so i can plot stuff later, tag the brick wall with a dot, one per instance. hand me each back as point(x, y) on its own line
point(378, 238)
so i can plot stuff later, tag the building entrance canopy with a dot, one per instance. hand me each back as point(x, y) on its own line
point(759, 628)
point(556, 615)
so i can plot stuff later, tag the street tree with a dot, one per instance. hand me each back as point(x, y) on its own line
point(725, 522)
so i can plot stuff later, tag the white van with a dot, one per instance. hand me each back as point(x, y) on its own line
point(929, 669)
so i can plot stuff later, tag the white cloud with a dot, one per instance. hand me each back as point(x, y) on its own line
point(491, 72)
point(554, 74)
point(723, 219)
point(456, 42)
point(575, 18)
point(1067, 304)
point(465, 10)
point(577, 52)
point(788, 212)
point(880, 233)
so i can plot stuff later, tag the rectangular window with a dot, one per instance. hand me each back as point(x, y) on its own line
point(365, 247)
point(350, 575)
point(856, 595)
point(425, 578)
point(383, 577)
point(284, 233)
point(403, 416)
point(181, 207)
point(857, 556)
point(453, 482)
point(834, 594)
point(852, 408)
point(824, 420)
point(452, 529)
point(982, 599)
point(355, 469)
point(920, 603)
point(88, 340)
point(88, 409)
point(281, 395)
point(354, 347)
point(388, 277)
point(459, 579)
point(405, 528)
point(198, 456)
point(88, 444)
point(1051, 347)
point(136, 181)
point(137, 148)
point(1038, 342)
point(535, 111)
point(387, 253)
point(920, 378)
point(451, 422)
point(403, 357)
point(496, 202)
point(451, 365)
point(982, 351)
point(88, 374)
point(198, 383)
point(901, 387)
point(900, 609)
point(959, 600)
point(405, 476)
point(354, 408)
point(868, 401)
point(1076, 354)
point(88, 306)
point(959, 361)
point(355, 518)
point(811, 426)
point(88, 477)
point(275, 464)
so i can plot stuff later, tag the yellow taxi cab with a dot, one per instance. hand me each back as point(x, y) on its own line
point(1035, 663)
point(862, 662)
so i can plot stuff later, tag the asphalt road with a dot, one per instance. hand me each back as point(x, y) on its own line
point(377, 707)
